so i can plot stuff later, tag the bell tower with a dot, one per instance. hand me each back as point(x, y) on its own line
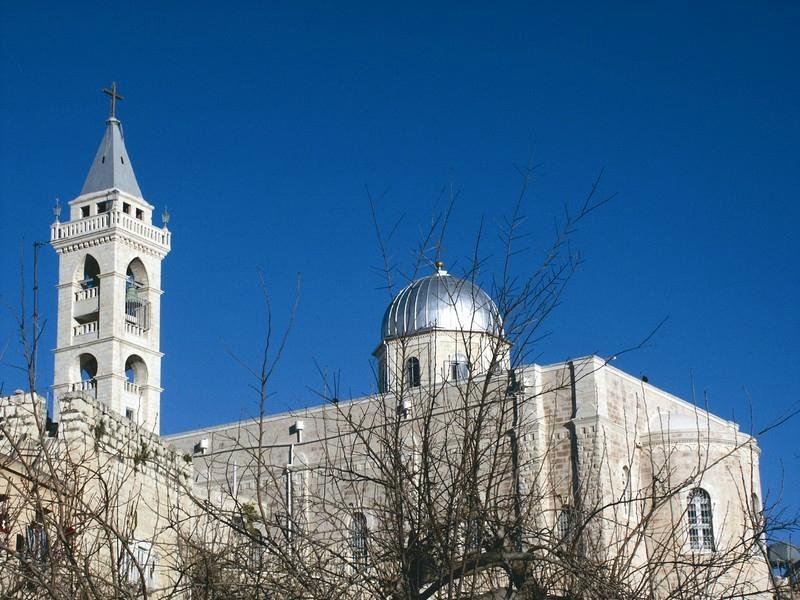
point(109, 287)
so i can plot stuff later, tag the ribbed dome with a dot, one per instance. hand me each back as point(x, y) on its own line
point(441, 301)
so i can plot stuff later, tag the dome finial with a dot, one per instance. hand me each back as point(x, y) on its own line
point(439, 266)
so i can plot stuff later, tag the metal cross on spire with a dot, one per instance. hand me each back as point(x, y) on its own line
point(114, 96)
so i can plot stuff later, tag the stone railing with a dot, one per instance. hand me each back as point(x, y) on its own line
point(89, 386)
point(134, 328)
point(108, 220)
point(85, 328)
point(87, 294)
point(132, 387)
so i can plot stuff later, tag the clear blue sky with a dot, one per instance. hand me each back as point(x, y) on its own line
point(260, 126)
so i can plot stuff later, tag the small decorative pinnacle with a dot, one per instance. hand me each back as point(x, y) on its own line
point(112, 93)
point(57, 209)
point(165, 216)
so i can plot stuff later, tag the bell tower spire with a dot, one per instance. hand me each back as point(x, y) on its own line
point(112, 168)
point(109, 287)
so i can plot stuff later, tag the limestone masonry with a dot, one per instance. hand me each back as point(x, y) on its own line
point(661, 482)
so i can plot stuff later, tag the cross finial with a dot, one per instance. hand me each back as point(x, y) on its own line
point(114, 96)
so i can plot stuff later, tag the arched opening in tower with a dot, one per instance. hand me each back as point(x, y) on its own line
point(137, 312)
point(91, 273)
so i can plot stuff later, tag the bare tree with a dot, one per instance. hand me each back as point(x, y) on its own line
point(499, 481)
point(86, 503)
point(469, 474)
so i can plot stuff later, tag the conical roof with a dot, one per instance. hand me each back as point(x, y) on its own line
point(111, 167)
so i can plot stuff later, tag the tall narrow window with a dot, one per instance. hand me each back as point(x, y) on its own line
point(358, 540)
point(473, 526)
point(701, 522)
point(137, 307)
point(566, 525)
point(626, 490)
point(87, 367)
point(382, 387)
point(255, 552)
point(5, 518)
point(91, 273)
point(36, 544)
point(412, 372)
point(283, 524)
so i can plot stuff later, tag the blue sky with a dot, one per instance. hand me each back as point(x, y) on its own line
point(261, 126)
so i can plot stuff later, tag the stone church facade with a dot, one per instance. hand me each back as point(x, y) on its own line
point(578, 456)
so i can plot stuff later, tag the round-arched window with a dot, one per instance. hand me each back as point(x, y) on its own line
point(88, 367)
point(91, 273)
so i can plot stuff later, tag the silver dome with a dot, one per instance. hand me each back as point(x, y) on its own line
point(441, 301)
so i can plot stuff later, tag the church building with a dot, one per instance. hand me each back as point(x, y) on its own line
point(462, 467)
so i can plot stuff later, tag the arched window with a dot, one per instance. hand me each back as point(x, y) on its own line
point(88, 365)
point(701, 522)
point(137, 274)
point(136, 306)
point(136, 370)
point(459, 368)
point(87, 372)
point(358, 540)
point(91, 273)
point(412, 372)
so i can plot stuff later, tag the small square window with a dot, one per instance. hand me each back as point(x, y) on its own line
point(102, 207)
point(129, 414)
point(139, 214)
point(126, 208)
point(85, 211)
point(459, 369)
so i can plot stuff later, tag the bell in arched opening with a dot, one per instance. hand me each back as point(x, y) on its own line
point(136, 307)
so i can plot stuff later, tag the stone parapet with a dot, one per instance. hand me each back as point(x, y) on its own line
point(22, 420)
point(88, 422)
